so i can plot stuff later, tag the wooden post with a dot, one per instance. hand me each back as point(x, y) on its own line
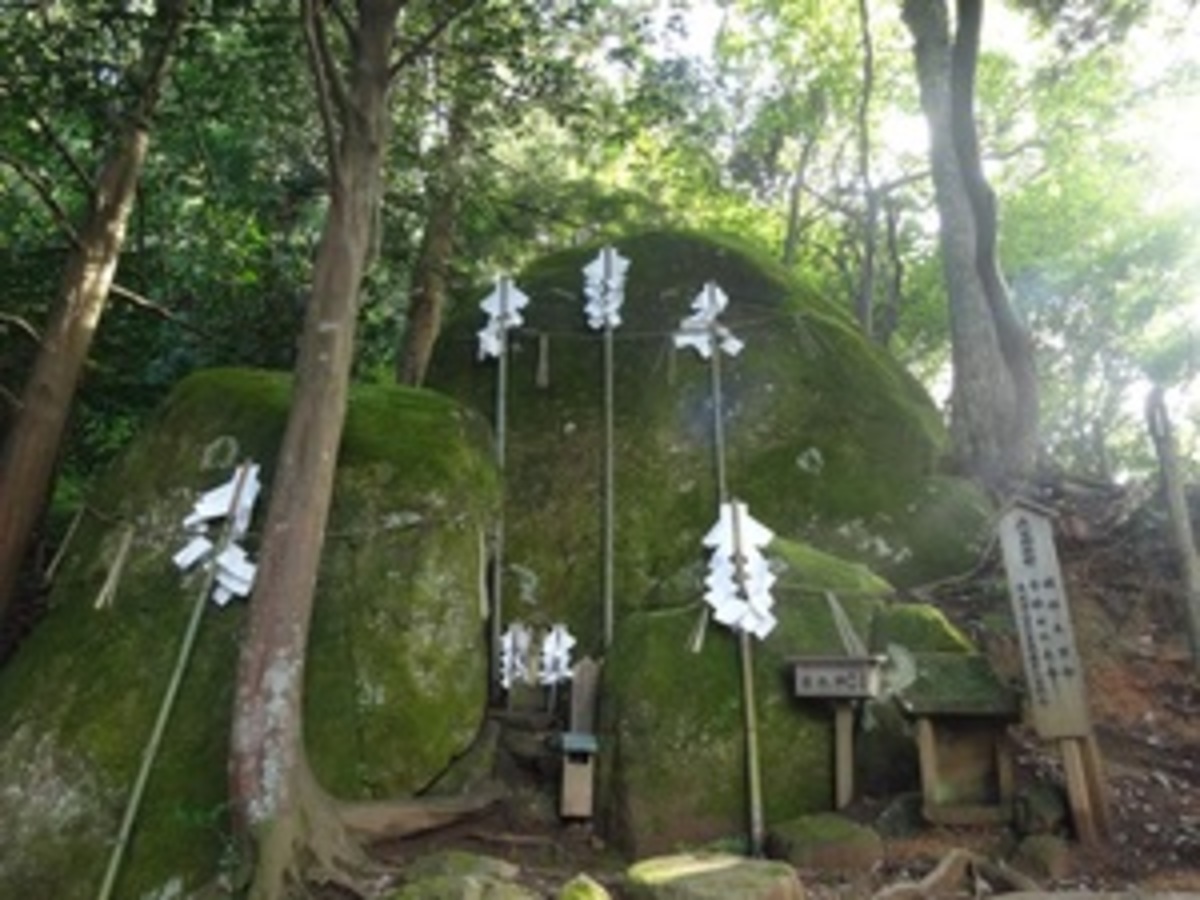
point(927, 757)
point(1093, 766)
point(843, 743)
point(579, 744)
point(1080, 792)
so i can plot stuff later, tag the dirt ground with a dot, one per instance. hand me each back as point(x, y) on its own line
point(1144, 694)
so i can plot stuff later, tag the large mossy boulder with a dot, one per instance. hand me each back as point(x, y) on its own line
point(672, 740)
point(396, 680)
point(830, 441)
point(672, 743)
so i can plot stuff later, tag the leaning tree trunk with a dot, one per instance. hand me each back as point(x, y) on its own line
point(994, 400)
point(427, 296)
point(297, 831)
point(277, 803)
point(28, 463)
point(1159, 423)
point(864, 305)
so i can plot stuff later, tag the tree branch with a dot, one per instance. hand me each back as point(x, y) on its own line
point(346, 23)
point(429, 38)
point(170, 14)
point(22, 325)
point(337, 88)
point(60, 147)
point(45, 192)
point(139, 301)
point(326, 80)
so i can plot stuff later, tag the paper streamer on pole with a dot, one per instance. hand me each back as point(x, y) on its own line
point(234, 570)
point(515, 645)
point(604, 287)
point(739, 581)
point(701, 331)
point(503, 307)
point(556, 655)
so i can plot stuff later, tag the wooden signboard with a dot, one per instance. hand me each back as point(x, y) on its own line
point(1053, 671)
point(842, 679)
point(836, 677)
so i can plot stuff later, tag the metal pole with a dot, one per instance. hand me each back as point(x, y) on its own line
point(609, 463)
point(718, 412)
point(168, 701)
point(501, 444)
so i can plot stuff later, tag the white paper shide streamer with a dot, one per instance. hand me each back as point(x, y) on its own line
point(553, 665)
point(503, 307)
point(515, 645)
point(701, 331)
point(604, 288)
point(739, 581)
point(556, 655)
point(235, 571)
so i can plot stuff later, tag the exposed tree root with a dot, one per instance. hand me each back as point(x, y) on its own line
point(957, 874)
point(323, 842)
point(401, 818)
point(308, 844)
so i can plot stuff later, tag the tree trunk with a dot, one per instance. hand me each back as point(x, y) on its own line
point(795, 214)
point(994, 399)
point(32, 448)
point(294, 829)
point(294, 826)
point(864, 306)
point(427, 296)
point(1159, 423)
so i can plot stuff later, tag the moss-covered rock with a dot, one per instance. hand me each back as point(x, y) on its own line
point(1044, 857)
point(826, 842)
point(454, 875)
point(672, 758)
point(672, 742)
point(584, 887)
point(830, 441)
point(712, 877)
point(916, 626)
point(396, 684)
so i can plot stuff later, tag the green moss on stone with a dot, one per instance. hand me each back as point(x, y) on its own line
point(414, 491)
point(830, 441)
point(711, 877)
point(826, 842)
point(812, 571)
point(917, 626)
point(583, 887)
point(957, 684)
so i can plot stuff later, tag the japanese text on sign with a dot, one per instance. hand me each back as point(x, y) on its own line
point(1039, 602)
point(836, 678)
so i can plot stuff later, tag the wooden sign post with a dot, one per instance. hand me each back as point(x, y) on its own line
point(843, 680)
point(1053, 670)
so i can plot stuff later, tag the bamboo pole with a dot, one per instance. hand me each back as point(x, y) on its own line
point(168, 702)
point(749, 706)
point(745, 647)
